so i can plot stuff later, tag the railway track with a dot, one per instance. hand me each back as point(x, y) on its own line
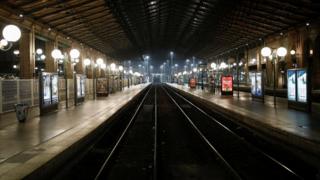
point(169, 137)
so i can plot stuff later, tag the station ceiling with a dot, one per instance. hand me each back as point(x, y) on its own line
point(203, 28)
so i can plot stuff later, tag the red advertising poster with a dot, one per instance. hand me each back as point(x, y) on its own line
point(192, 83)
point(227, 83)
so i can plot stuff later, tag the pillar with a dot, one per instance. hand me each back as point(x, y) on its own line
point(27, 52)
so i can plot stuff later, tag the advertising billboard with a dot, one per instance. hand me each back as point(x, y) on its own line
point(48, 92)
point(301, 86)
point(226, 85)
point(252, 77)
point(54, 84)
point(256, 80)
point(259, 91)
point(291, 78)
point(192, 83)
point(46, 89)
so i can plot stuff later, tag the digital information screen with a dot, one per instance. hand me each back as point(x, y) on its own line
point(54, 84)
point(252, 77)
point(46, 88)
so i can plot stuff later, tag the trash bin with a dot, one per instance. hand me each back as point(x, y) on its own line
point(21, 111)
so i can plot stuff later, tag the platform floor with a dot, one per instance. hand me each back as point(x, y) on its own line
point(26, 146)
point(296, 127)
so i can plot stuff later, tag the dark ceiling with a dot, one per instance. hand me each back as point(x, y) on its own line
point(203, 28)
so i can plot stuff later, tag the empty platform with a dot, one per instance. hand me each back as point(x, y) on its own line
point(27, 146)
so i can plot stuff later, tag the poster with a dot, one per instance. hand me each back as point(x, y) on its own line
point(227, 85)
point(46, 87)
point(291, 75)
point(192, 83)
point(78, 80)
point(54, 83)
point(258, 84)
point(302, 86)
point(83, 85)
point(252, 76)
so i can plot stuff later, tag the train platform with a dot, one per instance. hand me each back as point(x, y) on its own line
point(30, 145)
point(300, 129)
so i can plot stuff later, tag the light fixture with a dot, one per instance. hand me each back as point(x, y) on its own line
point(281, 51)
point(120, 68)
point(56, 54)
point(234, 64)
point(130, 71)
point(195, 70)
point(176, 65)
point(74, 53)
point(39, 51)
point(103, 66)
point(113, 66)
point(311, 52)
point(223, 65)
point(43, 57)
point(184, 72)
point(240, 63)
point(171, 53)
point(292, 52)
point(3, 43)
point(15, 66)
point(266, 52)
point(253, 61)
point(87, 62)
point(16, 52)
point(11, 33)
point(99, 61)
point(213, 66)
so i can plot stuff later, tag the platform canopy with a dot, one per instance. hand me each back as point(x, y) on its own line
point(203, 28)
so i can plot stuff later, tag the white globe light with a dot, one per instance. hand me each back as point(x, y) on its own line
point(120, 68)
point(39, 51)
point(266, 52)
point(223, 65)
point(11, 33)
point(213, 65)
point(281, 51)
point(16, 52)
point(292, 52)
point(74, 53)
point(99, 61)
point(113, 66)
point(130, 71)
point(3, 43)
point(42, 57)
point(103, 66)
point(195, 70)
point(56, 53)
point(87, 62)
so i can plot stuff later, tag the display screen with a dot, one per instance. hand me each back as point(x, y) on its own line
point(291, 75)
point(253, 82)
point(46, 87)
point(54, 81)
point(227, 84)
point(302, 86)
point(258, 84)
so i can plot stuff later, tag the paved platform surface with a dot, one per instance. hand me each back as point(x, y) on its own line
point(26, 146)
point(297, 128)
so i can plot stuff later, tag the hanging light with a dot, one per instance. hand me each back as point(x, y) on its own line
point(113, 66)
point(99, 61)
point(74, 53)
point(56, 54)
point(281, 51)
point(195, 70)
point(3, 43)
point(11, 33)
point(16, 52)
point(292, 52)
point(266, 52)
point(42, 57)
point(39, 51)
point(87, 62)
point(213, 66)
point(120, 68)
point(103, 66)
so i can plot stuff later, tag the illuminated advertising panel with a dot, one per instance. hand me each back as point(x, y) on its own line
point(302, 86)
point(227, 84)
point(291, 75)
point(192, 83)
point(78, 85)
point(83, 85)
point(54, 89)
point(46, 84)
point(252, 76)
point(259, 84)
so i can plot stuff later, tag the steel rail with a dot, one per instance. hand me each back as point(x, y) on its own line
point(239, 137)
point(155, 136)
point(122, 135)
point(225, 162)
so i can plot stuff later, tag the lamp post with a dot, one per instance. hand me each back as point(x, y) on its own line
point(113, 68)
point(121, 71)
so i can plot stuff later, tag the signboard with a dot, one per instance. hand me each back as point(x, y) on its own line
point(48, 92)
point(298, 89)
point(226, 85)
point(301, 86)
point(256, 84)
point(291, 75)
point(80, 88)
point(192, 83)
point(102, 87)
